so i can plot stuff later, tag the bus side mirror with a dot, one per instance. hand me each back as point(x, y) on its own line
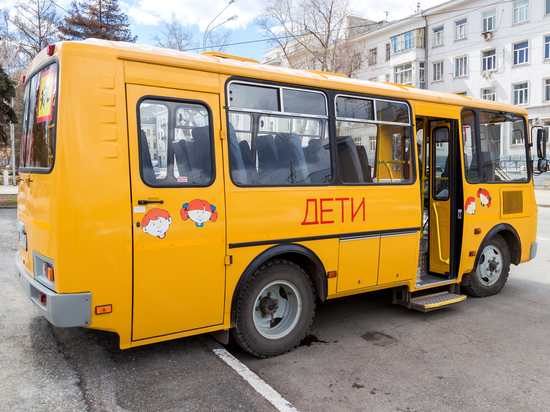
point(542, 165)
point(541, 143)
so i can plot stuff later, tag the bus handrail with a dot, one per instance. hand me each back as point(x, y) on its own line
point(438, 234)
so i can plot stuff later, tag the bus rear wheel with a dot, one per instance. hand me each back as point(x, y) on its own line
point(493, 267)
point(274, 309)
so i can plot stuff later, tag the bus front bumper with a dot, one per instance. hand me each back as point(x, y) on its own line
point(61, 309)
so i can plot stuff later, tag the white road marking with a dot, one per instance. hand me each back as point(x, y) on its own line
point(541, 238)
point(253, 380)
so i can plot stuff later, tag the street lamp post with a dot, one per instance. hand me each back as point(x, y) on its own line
point(208, 30)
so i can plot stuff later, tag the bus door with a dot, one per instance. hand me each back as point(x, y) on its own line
point(177, 210)
point(443, 212)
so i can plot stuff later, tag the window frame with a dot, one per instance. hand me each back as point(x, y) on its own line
point(493, 93)
point(461, 24)
point(517, 12)
point(486, 19)
point(400, 73)
point(546, 90)
point(486, 59)
point(518, 51)
point(33, 169)
point(477, 139)
point(170, 153)
point(526, 98)
point(464, 65)
point(438, 36)
point(376, 99)
point(546, 43)
point(435, 71)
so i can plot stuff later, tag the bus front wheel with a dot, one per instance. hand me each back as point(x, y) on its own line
point(493, 267)
point(274, 310)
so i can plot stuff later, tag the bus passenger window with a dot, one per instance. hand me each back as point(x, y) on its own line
point(287, 147)
point(441, 175)
point(373, 145)
point(175, 144)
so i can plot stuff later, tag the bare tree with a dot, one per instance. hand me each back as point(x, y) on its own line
point(175, 37)
point(217, 41)
point(34, 26)
point(312, 34)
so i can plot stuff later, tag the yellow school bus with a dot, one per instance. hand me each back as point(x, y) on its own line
point(165, 194)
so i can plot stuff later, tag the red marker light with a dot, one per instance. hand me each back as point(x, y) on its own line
point(51, 49)
point(23, 79)
point(43, 298)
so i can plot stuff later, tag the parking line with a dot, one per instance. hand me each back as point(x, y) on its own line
point(253, 380)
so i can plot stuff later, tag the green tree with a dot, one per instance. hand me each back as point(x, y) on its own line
point(7, 114)
point(100, 19)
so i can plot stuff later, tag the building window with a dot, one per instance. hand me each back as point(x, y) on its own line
point(421, 72)
point(489, 60)
point(547, 90)
point(438, 71)
point(521, 11)
point(388, 50)
point(461, 29)
point(488, 94)
point(547, 46)
point(462, 93)
point(406, 41)
point(520, 93)
point(489, 20)
point(403, 74)
point(521, 53)
point(461, 66)
point(438, 36)
point(374, 79)
point(547, 9)
point(372, 56)
point(372, 144)
point(387, 77)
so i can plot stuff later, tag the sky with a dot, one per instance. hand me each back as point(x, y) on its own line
point(149, 17)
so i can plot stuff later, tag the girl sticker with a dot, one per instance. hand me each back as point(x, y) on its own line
point(156, 223)
point(199, 211)
point(470, 206)
point(484, 197)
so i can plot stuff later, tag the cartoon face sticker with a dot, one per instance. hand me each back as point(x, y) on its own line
point(470, 206)
point(199, 211)
point(484, 197)
point(156, 223)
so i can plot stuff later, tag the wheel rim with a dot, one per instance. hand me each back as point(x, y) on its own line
point(277, 309)
point(490, 266)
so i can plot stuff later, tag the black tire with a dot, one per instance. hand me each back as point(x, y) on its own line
point(276, 288)
point(491, 273)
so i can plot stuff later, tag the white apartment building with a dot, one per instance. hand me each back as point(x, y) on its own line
point(496, 50)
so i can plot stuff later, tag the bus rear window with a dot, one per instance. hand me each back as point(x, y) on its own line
point(39, 120)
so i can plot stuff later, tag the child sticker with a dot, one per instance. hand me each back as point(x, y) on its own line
point(470, 206)
point(484, 197)
point(199, 211)
point(156, 222)
point(45, 102)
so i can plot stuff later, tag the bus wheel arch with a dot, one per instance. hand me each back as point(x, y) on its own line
point(500, 247)
point(297, 254)
point(274, 309)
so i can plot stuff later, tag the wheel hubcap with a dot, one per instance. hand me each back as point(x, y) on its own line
point(490, 266)
point(277, 310)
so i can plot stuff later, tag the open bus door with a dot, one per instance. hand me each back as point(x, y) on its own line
point(441, 197)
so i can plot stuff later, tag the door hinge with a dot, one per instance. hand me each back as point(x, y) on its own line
point(228, 260)
point(222, 134)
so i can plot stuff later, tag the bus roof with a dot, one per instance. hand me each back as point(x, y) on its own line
point(237, 66)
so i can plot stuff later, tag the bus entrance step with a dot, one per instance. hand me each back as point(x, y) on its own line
point(426, 302)
point(435, 301)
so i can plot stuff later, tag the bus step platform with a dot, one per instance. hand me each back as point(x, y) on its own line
point(427, 302)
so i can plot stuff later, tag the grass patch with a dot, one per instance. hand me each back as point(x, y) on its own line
point(8, 200)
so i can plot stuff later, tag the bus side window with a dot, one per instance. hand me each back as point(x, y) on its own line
point(175, 143)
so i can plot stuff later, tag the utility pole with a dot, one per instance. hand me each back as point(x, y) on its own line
point(12, 136)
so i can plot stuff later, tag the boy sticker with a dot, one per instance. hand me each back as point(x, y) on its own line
point(156, 223)
point(484, 197)
point(470, 206)
point(199, 211)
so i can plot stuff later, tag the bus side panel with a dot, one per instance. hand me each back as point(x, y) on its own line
point(94, 238)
